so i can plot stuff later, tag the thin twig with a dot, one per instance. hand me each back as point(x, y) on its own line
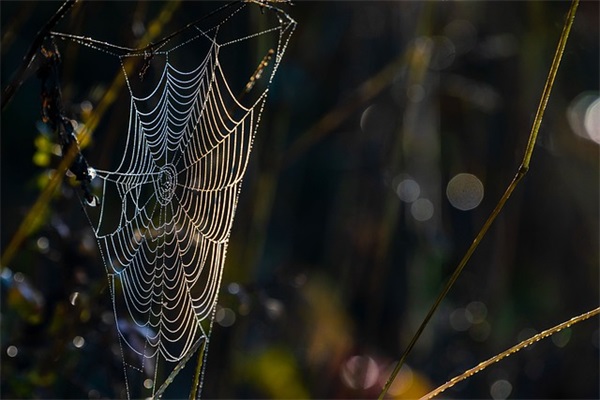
point(524, 167)
point(483, 365)
point(17, 79)
point(109, 97)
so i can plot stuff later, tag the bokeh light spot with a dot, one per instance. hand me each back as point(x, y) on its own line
point(422, 210)
point(225, 317)
point(6, 273)
point(43, 244)
point(583, 115)
point(443, 54)
point(408, 190)
point(458, 320)
point(148, 383)
point(476, 312)
point(500, 389)
point(592, 121)
point(465, 191)
point(377, 120)
point(73, 298)
point(108, 318)
point(233, 288)
point(365, 117)
point(12, 351)
point(86, 106)
point(274, 308)
point(78, 342)
point(360, 372)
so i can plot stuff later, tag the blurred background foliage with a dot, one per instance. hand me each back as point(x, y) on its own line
point(346, 226)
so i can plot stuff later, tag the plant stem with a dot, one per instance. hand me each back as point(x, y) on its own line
point(483, 365)
point(524, 167)
point(17, 79)
point(108, 99)
point(200, 343)
point(194, 393)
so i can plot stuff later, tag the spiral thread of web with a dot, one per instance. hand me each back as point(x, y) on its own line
point(187, 149)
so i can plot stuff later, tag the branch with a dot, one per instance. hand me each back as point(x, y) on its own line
point(17, 79)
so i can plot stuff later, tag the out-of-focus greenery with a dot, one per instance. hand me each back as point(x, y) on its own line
point(329, 272)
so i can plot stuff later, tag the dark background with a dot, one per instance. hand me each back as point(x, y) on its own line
point(334, 272)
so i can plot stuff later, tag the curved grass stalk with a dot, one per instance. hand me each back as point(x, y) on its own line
point(483, 365)
point(523, 168)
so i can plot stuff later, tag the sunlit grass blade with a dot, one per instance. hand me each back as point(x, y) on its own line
point(483, 365)
point(524, 167)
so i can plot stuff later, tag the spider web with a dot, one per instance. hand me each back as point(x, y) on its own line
point(177, 185)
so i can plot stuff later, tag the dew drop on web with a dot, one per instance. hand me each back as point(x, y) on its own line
point(93, 202)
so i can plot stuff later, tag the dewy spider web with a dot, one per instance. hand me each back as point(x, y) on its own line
point(187, 148)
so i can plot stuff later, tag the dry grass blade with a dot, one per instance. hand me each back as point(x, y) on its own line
point(508, 192)
point(483, 365)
